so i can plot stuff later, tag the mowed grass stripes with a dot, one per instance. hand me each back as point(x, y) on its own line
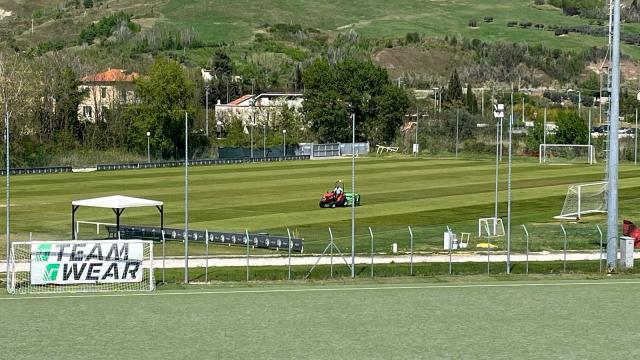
point(396, 192)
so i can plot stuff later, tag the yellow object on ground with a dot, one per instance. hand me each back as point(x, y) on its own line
point(485, 246)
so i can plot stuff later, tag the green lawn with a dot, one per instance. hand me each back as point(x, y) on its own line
point(397, 192)
point(410, 319)
point(218, 20)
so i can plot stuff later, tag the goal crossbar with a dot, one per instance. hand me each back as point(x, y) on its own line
point(37, 267)
point(590, 152)
point(584, 199)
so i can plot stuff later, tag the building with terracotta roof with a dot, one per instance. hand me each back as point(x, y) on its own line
point(264, 108)
point(104, 90)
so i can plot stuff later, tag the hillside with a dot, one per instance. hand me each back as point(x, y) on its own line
point(238, 21)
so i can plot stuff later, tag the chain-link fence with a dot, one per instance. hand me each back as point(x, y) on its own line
point(375, 251)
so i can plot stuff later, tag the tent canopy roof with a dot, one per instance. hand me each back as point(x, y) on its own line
point(116, 202)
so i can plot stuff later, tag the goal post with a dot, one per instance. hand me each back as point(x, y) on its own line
point(490, 227)
point(37, 267)
point(583, 199)
point(566, 154)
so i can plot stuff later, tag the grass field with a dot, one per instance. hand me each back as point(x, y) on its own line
point(397, 192)
point(219, 21)
point(405, 319)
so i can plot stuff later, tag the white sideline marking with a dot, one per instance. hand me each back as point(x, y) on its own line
point(273, 291)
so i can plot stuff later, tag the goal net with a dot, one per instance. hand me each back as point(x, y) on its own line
point(583, 199)
point(490, 227)
point(80, 266)
point(566, 154)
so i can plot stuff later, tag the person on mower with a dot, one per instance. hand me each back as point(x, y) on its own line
point(338, 189)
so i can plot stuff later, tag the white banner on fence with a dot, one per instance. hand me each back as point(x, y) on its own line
point(86, 262)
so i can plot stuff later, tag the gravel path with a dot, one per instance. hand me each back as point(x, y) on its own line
point(218, 261)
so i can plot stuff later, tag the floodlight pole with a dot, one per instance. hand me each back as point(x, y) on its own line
point(635, 138)
point(186, 199)
point(284, 142)
point(509, 191)
point(498, 113)
point(148, 147)
point(7, 165)
point(206, 124)
point(612, 194)
point(353, 195)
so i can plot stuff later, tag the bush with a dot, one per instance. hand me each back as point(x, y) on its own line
point(525, 24)
point(512, 23)
point(539, 2)
point(412, 37)
point(473, 23)
point(488, 19)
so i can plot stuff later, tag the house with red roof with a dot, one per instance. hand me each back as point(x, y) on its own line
point(104, 90)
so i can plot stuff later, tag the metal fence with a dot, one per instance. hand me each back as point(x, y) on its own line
point(164, 164)
point(382, 251)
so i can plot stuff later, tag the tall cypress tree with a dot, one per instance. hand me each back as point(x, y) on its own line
point(453, 93)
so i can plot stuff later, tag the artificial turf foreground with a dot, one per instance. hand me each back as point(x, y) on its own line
point(568, 319)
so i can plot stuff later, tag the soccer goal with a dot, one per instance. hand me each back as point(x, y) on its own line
point(80, 266)
point(583, 199)
point(490, 227)
point(566, 154)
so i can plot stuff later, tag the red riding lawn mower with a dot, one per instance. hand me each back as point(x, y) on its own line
point(338, 198)
point(631, 230)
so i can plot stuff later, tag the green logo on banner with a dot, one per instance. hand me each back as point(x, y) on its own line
point(51, 272)
point(43, 252)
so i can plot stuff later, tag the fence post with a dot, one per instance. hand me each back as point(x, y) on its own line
point(488, 256)
point(450, 241)
point(246, 231)
point(371, 234)
point(206, 260)
point(411, 252)
point(289, 245)
point(163, 257)
point(526, 233)
point(564, 266)
point(601, 238)
point(331, 246)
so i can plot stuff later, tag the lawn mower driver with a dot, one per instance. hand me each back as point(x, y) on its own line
point(338, 198)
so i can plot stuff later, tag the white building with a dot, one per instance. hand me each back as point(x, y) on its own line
point(263, 107)
point(104, 90)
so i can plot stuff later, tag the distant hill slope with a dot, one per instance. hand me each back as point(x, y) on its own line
point(236, 21)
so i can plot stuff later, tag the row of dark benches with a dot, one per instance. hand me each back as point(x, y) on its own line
point(261, 240)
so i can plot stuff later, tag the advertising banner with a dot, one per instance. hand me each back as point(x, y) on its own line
point(86, 262)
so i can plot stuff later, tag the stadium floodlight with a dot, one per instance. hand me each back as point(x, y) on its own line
point(583, 199)
point(498, 113)
point(37, 267)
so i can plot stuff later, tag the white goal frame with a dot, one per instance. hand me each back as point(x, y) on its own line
point(574, 206)
point(71, 266)
point(591, 154)
point(493, 227)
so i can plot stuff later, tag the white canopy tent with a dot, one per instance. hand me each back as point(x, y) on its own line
point(118, 203)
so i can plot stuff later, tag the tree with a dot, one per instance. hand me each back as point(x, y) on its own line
point(470, 101)
point(166, 94)
point(87, 4)
point(334, 92)
point(453, 93)
point(221, 63)
point(571, 128)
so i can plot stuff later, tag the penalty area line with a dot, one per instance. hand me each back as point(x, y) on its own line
point(343, 288)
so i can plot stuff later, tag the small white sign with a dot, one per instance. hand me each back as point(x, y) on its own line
point(416, 148)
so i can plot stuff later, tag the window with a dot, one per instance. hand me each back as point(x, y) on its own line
point(87, 111)
point(103, 92)
point(123, 95)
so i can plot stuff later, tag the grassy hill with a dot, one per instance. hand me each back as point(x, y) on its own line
point(237, 21)
point(241, 23)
